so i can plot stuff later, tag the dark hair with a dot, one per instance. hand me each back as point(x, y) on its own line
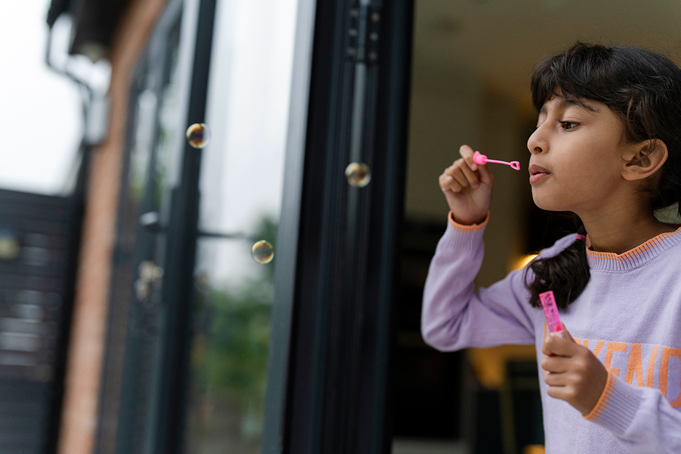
point(644, 89)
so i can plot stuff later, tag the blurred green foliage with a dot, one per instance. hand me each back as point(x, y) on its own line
point(231, 341)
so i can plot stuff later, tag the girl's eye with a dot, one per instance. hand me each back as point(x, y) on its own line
point(567, 125)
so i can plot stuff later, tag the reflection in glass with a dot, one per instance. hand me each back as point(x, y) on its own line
point(241, 185)
point(137, 311)
point(229, 356)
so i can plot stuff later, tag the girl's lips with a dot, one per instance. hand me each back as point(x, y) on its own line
point(534, 168)
point(537, 173)
point(538, 176)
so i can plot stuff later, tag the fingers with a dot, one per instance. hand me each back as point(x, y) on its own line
point(555, 382)
point(547, 346)
point(448, 183)
point(485, 176)
point(566, 333)
point(467, 153)
point(556, 344)
point(555, 364)
point(468, 173)
point(453, 178)
point(461, 174)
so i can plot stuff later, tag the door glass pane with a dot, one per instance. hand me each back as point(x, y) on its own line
point(472, 62)
point(240, 193)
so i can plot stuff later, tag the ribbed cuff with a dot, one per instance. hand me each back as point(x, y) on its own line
point(463, 237)
point(466, 228)
point(617, 405)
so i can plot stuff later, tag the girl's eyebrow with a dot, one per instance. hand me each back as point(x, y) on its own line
point(567, 102)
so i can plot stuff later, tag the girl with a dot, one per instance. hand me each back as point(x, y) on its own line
point(607, 147)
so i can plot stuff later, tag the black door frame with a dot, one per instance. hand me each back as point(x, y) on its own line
point(178, 283)
point(335, 280)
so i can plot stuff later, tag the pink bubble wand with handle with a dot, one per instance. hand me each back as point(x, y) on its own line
point(481, 159)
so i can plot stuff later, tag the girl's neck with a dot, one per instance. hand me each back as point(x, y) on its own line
point(621, 232)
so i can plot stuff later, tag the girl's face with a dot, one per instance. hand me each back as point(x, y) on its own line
point(576, 156)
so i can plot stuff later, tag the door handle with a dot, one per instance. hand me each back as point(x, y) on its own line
point(150, 222)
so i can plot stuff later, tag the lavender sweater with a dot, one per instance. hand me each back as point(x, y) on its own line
point(629, 316)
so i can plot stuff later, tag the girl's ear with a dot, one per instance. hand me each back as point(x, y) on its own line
point(644, 159)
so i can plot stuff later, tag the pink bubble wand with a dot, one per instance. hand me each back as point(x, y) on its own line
point(548, 303)
point(481, 159)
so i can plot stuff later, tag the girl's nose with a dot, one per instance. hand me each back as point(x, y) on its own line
point(537, 142)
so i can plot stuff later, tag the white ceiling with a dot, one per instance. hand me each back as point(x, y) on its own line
point(501, 40)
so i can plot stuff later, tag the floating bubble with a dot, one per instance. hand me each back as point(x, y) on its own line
point(198, 135)
point(262, 252)
point(358, 174)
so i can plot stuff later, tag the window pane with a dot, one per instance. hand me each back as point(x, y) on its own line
point(241, 186)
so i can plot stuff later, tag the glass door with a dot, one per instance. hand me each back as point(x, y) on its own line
point(191, 295)
point(261, 264)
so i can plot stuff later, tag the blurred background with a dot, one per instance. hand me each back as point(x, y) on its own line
point(135, 314)
point(95, 99)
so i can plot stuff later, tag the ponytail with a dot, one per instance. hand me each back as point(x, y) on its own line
point(566, 274)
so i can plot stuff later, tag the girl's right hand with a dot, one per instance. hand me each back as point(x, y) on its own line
point(467, 188)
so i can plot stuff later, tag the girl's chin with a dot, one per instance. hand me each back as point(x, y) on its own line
point(547, 203)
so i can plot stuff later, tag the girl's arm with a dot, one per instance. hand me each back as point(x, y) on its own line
point(641, 418)
point(453, 316)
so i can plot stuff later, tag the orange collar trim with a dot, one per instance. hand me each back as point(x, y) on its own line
point(631, 253)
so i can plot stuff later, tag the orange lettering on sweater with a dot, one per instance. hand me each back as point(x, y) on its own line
point(599, 347)
point(612, 348)
point(668, 352)
point(651, 367)
point(635, 366)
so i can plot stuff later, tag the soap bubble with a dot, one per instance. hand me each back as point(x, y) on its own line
point(262, 252)
point(358, 174)
point(198, 135)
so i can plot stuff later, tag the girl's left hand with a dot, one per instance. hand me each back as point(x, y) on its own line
point(574, 374)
